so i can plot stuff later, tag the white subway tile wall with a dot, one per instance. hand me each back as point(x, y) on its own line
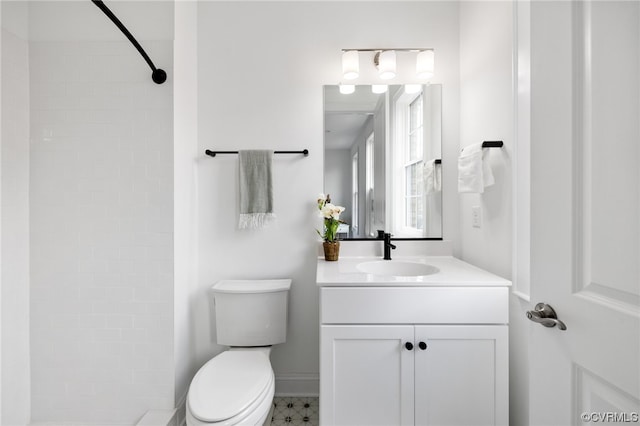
point(15, 227)
point(101, 232)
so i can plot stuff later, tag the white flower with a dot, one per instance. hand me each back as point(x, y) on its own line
point(331, 215)
point(329, 211)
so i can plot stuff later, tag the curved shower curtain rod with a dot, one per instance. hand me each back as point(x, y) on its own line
point(158, 76)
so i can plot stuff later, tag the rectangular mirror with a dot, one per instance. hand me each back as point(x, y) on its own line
point(382, 159)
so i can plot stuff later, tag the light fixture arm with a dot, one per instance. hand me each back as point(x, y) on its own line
point(397, 49)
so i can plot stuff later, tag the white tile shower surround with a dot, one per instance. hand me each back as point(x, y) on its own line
point(295, 411)
point(101, 233)
point(14, 181)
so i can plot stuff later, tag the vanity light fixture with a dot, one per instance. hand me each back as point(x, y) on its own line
point(347, 89)
point(384, 60)
point(379, 88)
point(412, 88)
point(386, 63)
point(350, 64)
point(425, 64)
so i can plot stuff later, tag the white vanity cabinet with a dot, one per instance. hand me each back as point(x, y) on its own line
point(365, 378)
point(411, 354)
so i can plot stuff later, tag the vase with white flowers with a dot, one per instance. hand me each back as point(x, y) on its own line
point(331, 215)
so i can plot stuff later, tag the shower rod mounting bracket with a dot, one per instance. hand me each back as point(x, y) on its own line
point(158, 75)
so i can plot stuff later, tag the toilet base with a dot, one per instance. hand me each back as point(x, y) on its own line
point(267, 421)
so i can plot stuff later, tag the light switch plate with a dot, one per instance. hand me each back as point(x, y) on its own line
point(476, 217)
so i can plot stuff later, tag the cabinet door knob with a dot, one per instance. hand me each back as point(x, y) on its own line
point(409, 346)
point(422, 345)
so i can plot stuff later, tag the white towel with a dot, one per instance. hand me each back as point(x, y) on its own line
point(432, 177)
point(256, 189)
point(474, 171)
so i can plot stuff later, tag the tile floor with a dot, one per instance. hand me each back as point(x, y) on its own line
point(295, 411)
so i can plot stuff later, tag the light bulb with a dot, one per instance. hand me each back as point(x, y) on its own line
point(350, 64)
point(425, 64)
point(412, 88)
point(347, 89)
point(379, 88)
point(387, 64)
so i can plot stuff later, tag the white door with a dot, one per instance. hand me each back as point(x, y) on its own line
point(366, 375)
point(462, 375)
point(585, 157)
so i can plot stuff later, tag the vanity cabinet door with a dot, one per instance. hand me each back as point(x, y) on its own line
point(461, 375)
point(367, 375)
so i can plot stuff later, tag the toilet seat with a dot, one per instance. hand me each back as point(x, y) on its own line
point(230, 387)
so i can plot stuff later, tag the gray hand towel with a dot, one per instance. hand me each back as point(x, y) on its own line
point(256, 189)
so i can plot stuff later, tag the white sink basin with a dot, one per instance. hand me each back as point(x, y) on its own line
point(397, 268)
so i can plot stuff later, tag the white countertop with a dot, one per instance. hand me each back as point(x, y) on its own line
point(453, 272)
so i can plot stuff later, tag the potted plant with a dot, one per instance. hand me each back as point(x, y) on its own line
point(331, 216)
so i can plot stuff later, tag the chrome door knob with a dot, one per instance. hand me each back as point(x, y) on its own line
point(545, 315)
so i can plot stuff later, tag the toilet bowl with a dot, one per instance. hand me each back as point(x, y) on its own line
point(234, 388)
point(237, 386)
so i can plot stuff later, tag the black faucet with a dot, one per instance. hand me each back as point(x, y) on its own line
point(387, 246)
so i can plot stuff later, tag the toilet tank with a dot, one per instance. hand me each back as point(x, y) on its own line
point(251, 312)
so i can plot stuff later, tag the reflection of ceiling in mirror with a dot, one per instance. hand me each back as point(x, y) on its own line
point(344, 115)
point(342, 128)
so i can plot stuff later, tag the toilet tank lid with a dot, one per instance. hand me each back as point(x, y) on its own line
point(251, 286)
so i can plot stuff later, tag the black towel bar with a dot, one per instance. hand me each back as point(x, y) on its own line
point(492, 144)
point(304, 152)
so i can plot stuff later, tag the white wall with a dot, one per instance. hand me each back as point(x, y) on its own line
point(337, 179)
point(101, 215)
point(15, 215)
point(486, 113)
point(185, 85)
point(1, 345)
point(519, 329)
point(261, 67)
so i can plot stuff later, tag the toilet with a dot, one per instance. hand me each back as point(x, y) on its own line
point(236, 387)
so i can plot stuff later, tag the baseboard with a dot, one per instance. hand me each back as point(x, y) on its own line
point(175, 417)
point(181, 413)
point(297, 384)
